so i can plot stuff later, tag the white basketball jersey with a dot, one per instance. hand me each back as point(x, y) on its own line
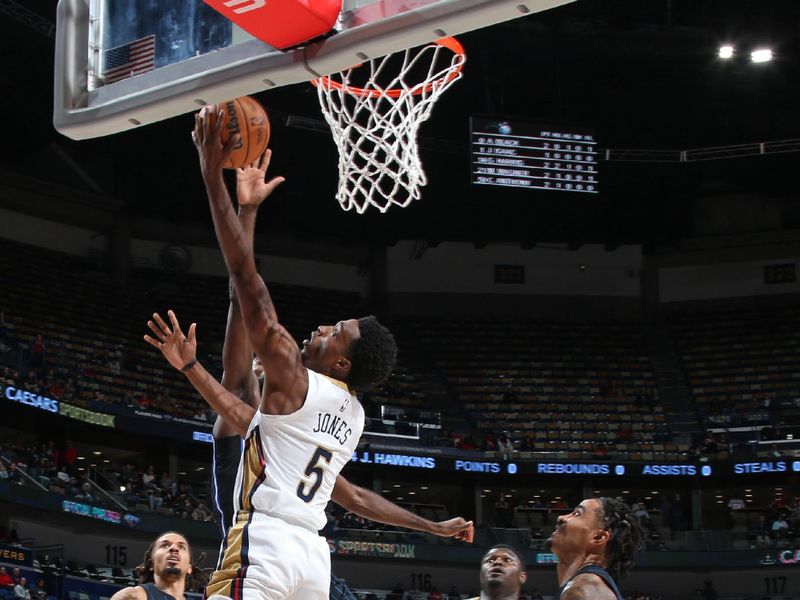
point(290, 462)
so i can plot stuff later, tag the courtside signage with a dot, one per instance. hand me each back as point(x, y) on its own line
point(31, 399)
point(776, 466)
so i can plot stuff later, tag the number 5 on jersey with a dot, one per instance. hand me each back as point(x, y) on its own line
point(313, 469)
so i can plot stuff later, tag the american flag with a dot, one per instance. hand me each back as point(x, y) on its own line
point(130, 59)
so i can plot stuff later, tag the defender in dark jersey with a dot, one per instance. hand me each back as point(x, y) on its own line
point(502, 573)
point(167, 571)
point(595, 544)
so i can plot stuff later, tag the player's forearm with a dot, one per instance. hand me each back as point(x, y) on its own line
point(374, 507)
point(247, 218)
point(252, 294)
point(230, 233)
point(237, 354)
point(230, 407)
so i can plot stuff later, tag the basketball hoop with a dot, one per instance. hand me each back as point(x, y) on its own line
point(374, 111)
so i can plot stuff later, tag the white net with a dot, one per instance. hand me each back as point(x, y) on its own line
point(374, 112)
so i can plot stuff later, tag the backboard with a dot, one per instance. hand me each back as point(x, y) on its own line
point(121, 64)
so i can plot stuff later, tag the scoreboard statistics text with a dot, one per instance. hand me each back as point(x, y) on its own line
point(529, 155)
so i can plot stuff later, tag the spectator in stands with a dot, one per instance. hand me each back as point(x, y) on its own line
point(502, 574)
point(201, 513)
point(625, 433)
point(3, 472)
point(145, 401)
point(154, 498)
point(40, 593)
point(504, 444)
point(710, 445)
point(397, 592)
point(762, 531)
point(469, 443)
point(453, 594)
point(489, 443)
point(794, 516)
point(779, 527)
point(435, 594)
point(16, 574)
point(6, 583)
point(37, 352)
point(502, 512)
point(21, 591)
point(85, 494)
point(149, 477)
point(640, 512)
point(673, 512)
point(167, 485)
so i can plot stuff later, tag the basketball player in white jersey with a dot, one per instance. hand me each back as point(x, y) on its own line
point(242, 375)
point(307, 425)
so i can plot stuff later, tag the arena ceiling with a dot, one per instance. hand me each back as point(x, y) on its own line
point(642, 73)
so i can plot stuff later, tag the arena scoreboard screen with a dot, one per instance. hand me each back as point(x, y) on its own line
point(530, 155)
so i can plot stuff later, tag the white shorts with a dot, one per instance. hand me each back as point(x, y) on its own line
point(265, 558)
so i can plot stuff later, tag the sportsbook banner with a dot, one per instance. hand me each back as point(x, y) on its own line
point(377, 549)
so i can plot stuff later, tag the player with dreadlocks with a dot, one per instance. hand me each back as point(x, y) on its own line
point(167, 572)
point(595, 545)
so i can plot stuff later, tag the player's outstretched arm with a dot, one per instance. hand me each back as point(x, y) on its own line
point(181, 352)
point(374, 507)
point(252, 189)
point(287, 379)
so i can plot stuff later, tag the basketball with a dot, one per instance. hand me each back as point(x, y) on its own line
point(248, 118)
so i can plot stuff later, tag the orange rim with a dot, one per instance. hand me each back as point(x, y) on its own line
point(450, 43)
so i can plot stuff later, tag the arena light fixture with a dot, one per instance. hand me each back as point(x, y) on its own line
point(726, 51)
point(761, 55)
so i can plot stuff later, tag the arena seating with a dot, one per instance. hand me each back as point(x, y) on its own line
point(559, 387)
point(742, 365)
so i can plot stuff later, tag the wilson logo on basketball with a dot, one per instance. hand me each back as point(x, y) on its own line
point(233, 123)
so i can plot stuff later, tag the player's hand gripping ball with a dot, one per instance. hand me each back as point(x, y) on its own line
point(246, 117)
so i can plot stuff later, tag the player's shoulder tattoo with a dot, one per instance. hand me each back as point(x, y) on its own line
point(587, 587)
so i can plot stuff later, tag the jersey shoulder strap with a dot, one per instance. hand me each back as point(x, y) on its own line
point(153, 593)
point(602, 574)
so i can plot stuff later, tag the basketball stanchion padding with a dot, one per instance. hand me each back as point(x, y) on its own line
point(374, 111)
point(282, 24)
